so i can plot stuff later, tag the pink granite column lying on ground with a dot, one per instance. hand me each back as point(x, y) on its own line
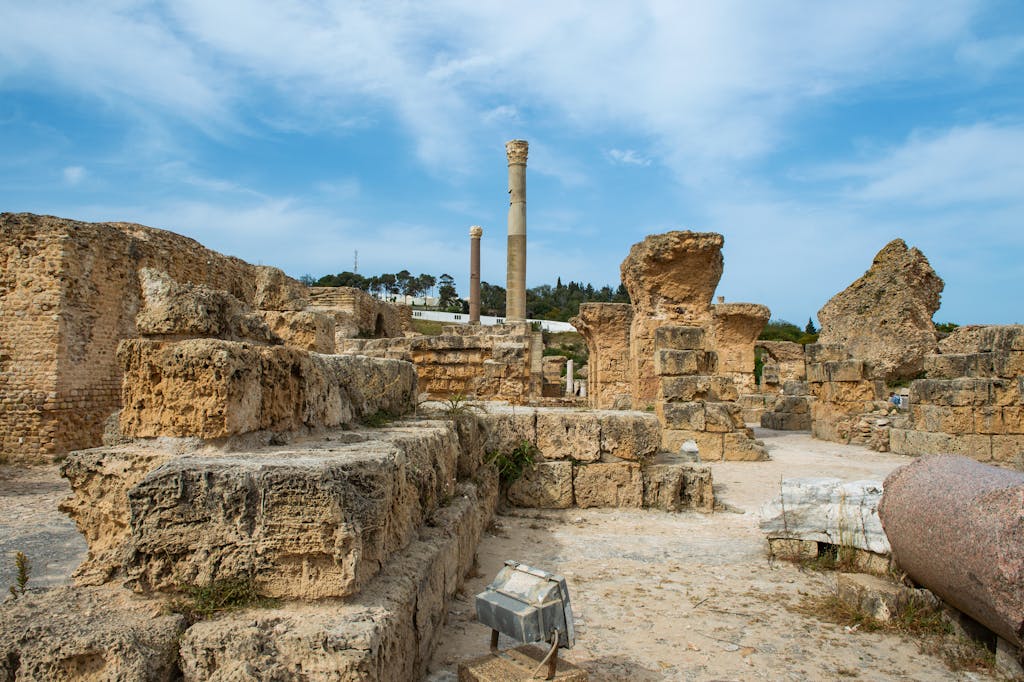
point(956, 526)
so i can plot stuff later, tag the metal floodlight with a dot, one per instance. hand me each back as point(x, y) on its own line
point(528, 605)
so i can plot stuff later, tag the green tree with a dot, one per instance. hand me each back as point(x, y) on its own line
point(810, 329)
point(447, 295)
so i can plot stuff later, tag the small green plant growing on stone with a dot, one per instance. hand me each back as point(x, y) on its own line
point(224, 594)
point(24, 569)
point(458, 406)
point(513, 464)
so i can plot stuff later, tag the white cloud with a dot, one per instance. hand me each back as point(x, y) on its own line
point(73, 175)
point(713, 83)
point(978, 163)
point(629, 157)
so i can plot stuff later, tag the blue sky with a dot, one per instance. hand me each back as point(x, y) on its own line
point(295, 133)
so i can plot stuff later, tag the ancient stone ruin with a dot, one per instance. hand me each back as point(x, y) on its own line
point(70, 292)
point(672, 351)
point(235, 450)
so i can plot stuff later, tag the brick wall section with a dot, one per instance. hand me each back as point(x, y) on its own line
point(69, 292)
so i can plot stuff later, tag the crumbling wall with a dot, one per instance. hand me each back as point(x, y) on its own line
point(843, 391)
point(359, 315)
point(971, 401)
point(605, 327)
point(694, 403)
point(69, 293)
point(782, 361)
point(485, 362)
point(734, 332)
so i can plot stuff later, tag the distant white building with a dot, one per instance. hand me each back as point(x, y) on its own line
point(486, 320)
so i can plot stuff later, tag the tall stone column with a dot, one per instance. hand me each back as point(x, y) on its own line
point(475, 232)
point(515, 284)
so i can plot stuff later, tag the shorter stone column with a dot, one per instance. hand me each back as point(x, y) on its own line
point(570, 381)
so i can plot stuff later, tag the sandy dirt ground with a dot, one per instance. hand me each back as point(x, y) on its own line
point(656, 596)
point(688, 596)
point(31, 523)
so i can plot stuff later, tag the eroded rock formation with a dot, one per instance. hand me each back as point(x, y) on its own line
point(885, 317)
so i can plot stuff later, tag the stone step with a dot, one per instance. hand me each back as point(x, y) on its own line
point(310, 520)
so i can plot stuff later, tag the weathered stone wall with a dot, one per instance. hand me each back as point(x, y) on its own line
point(69, 292)
point(791, 411)
point(471, 360)
point(842, 391)
point(694, 403)
point(783, 361)
point(359, 315)
point(605, 327)
point(671, 279)
point(971, 403)
point(734, 332)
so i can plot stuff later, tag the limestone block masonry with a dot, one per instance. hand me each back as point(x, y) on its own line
point(470, 360)
point(70, 292)
point(693, 404)
point(972, 402)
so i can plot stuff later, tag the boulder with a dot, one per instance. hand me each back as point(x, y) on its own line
point(885, 317)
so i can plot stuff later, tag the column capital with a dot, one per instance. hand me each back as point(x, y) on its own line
point(516, 151)
point(476, 232)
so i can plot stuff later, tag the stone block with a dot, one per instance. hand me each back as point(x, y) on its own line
point(308, 523)
point(827, 510)
point(740, 447)
point(679, 338)
point(90, 633)
point(669, 362)
point(212, 389)
point(1008, 364)
point(957, 366)
point(568, 434)
point(825, 352)
point(517, 664)
point(632, 436)
point(816, 372)
point(879, 598)
point(849, 391)
point(1013, 420)
point(951, 392)
point(678, 486)
point(698, 387)
point(1008, 450)
point(796, 388)
point(602, 484)
point(988, 420)
point(710, 445)
point(786, 421)
point(845, 370)
point(386, 633)
point(307, 330)
point(687, 416)
point(910, 442)
point(176, 309)
point(941, 418)
point(506, 429)
point(722, 417)
point(546, 485)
